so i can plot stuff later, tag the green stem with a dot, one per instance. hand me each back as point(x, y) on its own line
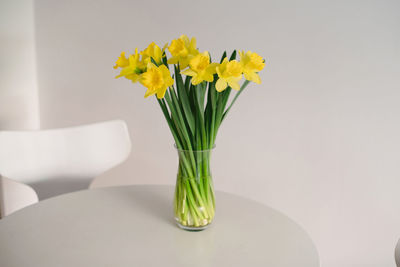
point(192, 201)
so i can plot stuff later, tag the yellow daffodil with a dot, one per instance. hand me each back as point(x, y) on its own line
point(134, 68)
point(229, 73)
point(156, 80)
point(122, 61)
point(200, 68)
point(182, 51)
point(251, 63)
point(152, 51)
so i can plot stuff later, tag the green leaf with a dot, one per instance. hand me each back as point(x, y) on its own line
point(213, 93)
point(207, 119)
point(200, 95)
point(200, 92)
point(198, 131)
point(210, 113)
point(221, 103)
point(233, 55)
point(187, 83)
point(184, 100)
point(165, 60)
point(180, 117)
point(175, 120)
point(153, 61)
point(209, 108)
point(223, 56)
point(191, 94)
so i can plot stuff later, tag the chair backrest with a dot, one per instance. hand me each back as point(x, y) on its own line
point(15, 196)
point(77, 152)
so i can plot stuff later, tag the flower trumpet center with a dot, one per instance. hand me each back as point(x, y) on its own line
point(177, 48)
point(233, 68)
point(199, 63)
point(255, 62)
point(153, 79)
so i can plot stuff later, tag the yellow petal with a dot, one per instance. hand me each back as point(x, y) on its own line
point(255, 78)
point(150, 65)
point(125, 71)
point(149, 93)
point(221, 85)
point(172, 60)
point(196, 80)
point(122, 61)
point(247, 75)
point(212, 68)
point(219, 71)
point(161, 92)
point(184, 38)
point(184, 62)
point(233, 83)
point(206, 54)
point(157, 54)
point(189, 72)
point(241, 54)
point(193, 44)
point(164, 69)
point(133, 77)
point(169, 81)
point(252, 76)
point(209, 77)
point(165, 47)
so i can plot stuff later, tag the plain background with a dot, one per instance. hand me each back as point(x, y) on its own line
point(318, 140)
point(19, 107)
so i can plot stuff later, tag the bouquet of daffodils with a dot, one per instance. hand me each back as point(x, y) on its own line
point(194, 101)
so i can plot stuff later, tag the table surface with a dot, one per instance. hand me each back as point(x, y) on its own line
point(134, 226)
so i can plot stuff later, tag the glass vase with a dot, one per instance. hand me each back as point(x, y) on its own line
point(194, 201)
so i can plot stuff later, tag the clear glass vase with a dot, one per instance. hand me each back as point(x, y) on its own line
point(194, 201)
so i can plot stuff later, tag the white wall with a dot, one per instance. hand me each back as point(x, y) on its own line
point(18, 85)
point(318, 140)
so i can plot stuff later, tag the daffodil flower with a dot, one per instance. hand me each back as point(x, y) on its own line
point(251, 63)
point(229, 73)
point(201, 69)
point(182, 51)
point(156, 80)
point(152, 51)
point(122, 61)
point(134, 68)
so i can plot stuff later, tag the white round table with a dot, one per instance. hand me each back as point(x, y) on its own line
point(133, 226)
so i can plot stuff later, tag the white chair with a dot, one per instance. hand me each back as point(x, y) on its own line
point(63, 160)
